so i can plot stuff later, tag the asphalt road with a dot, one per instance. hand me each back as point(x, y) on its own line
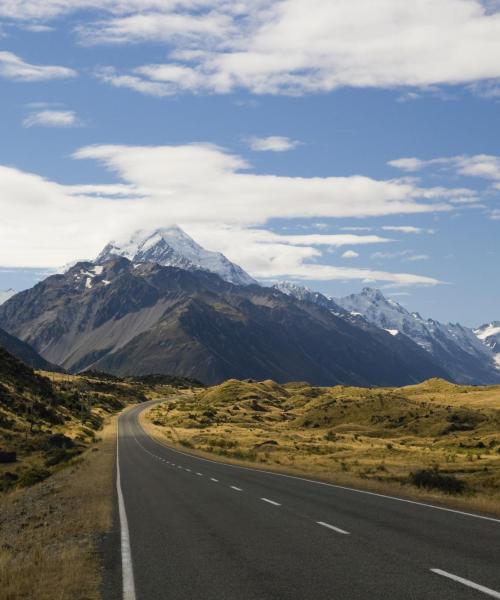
point(198, 529)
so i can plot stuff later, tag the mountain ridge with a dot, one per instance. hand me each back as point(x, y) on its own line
point(127, 318)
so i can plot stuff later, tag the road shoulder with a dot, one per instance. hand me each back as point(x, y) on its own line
point(53, 534)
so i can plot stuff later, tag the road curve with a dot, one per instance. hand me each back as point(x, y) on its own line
point(200, 529)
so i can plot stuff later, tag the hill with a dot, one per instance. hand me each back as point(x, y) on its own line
point(47, 419)
point(25, 352)
point(383, 436)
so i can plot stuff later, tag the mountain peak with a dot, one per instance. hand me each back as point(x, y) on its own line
point(373, 294)
point(171, 246)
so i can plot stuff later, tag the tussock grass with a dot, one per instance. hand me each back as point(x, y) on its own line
point(434, 441)
point(49, 533)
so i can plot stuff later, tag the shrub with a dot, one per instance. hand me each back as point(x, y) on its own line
point(33, 475)
point(432, 479)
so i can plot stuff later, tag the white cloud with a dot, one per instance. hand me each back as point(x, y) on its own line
point(273, 143)
point(52, 118)
point(407, 229)
point(404, 255)
point(417, 257)
point(486, 166)
point(210, 192)
point(304, 46)
point(295, 46)
point(407, 164)
point(13, 67)
point(133, 82)
point(350, 254)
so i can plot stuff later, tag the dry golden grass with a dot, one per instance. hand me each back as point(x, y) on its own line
point(369, 438)
point(50, 533)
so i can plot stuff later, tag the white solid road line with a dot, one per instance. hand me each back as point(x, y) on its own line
point(271, 502)
point(127, 569)
point(468, 583)
point(237, 489)
point(332, 527)
point(213, 479)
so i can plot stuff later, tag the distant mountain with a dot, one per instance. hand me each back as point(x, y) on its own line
point(490, 336)
point(138, 318)
point(23, 351)
point(456, 348)
point(6, 294)
point(172, 247)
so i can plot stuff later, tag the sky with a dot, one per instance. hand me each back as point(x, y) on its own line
point(335, 144)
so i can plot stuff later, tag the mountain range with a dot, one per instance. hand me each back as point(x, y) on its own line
point(124, 317)
point(160, 303)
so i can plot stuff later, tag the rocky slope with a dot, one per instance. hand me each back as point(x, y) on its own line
point(138, 318)
point(23, 351)
point(6, 294)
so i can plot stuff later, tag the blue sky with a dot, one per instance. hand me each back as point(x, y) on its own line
point(273, 133)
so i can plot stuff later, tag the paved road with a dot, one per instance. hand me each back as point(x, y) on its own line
point(200, 529)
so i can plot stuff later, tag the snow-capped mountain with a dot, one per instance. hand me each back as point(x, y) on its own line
point(490, 336)
point(6, 294)
point(304, 294)
point(457, 348)
point(172, 247)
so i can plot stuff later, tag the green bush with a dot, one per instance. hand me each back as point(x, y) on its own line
point(432, 479)
point(33, 475)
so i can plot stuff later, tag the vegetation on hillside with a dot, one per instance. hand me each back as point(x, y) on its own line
point(431, 436)
point(48, 419)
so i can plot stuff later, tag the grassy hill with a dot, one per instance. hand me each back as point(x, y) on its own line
point(434, 436)
point(48, 419)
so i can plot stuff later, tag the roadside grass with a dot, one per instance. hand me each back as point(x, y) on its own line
point(50, 533)
point(433, 442)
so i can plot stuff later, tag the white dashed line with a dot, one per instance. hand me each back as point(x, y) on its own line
point(471, 584)
point(236, 489)
point(332, 527)
point(213, 479)
point(271, 502)
point(188, 470)
point(199, 474)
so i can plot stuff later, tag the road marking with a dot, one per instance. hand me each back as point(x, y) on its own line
point(127, 568)
point(237, 489)
point(323, 483)
point(213, 479)
point(316, 482)
point(188, 470)
point(271, 502)
point(199, 474)
point(332, 527)
point(468, 583)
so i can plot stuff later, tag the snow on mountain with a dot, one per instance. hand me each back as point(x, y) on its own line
point(489, 335)
point(304, 294)
point(6, 294)
point(457, 347)
point(172, 247)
